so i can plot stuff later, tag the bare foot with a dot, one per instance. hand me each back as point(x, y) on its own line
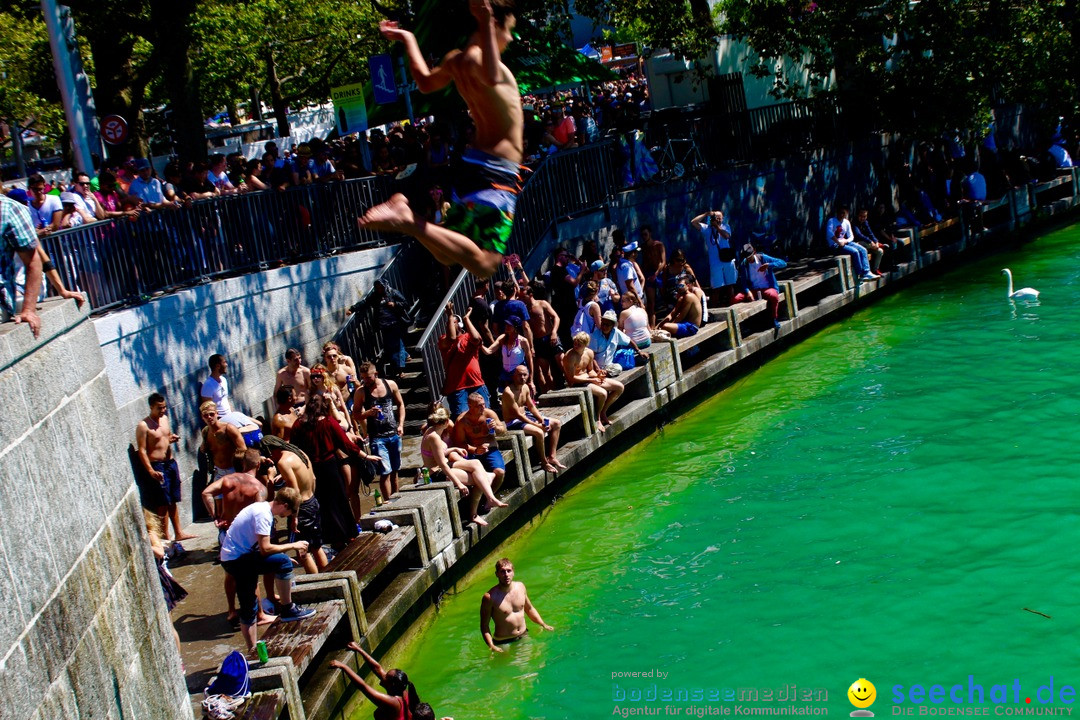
point(233, 617)
point(265, 619)
point(479, 520)
point(600, 427)
point(555, 461)
point(394, 214)
point(605, 420)
point(499, 503)
point(185, 536)
point(550, 468)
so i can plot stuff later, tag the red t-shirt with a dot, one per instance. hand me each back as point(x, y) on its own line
point(462, 361)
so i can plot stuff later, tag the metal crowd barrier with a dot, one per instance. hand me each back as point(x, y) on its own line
point(125, 260)
point(565, 184)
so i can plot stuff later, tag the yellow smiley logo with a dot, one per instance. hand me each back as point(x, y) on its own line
point(862, 693)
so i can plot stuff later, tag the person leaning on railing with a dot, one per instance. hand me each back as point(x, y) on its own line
point(20, 237)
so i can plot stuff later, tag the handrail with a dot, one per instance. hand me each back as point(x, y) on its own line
point(122, 261)
point(564, 184)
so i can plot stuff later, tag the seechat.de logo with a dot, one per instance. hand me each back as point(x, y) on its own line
point(862, 695)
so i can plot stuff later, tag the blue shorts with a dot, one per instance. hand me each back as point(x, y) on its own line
point(154, 494)
point(459, 400)
point(252, 438)
point(389, 451)
point(247, 569)
point(492, 460)
point(517, 424)
point(685, 330)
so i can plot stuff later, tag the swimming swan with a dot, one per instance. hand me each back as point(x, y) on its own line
point(1022, 293)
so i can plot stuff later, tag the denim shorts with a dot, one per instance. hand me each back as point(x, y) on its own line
point(459, 400)
point(389, 451)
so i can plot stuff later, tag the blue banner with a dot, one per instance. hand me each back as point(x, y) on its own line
point(382, 79)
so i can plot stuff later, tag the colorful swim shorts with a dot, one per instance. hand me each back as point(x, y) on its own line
point(482, 204)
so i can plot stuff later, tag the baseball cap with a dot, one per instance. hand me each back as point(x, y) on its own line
point(630, 247)
point(596, 265)
point(142, 164)
point(69, 197)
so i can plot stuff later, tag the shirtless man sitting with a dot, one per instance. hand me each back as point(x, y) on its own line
point(285, 414)
point(580, 368)
point(508, 605)
point(159, 481)
point(222, 441)
point(295, 374)
point(544, 322)
point(224, 499)
point(475, 430)
point(521, 413)
point(685, 318)
point(295, 470)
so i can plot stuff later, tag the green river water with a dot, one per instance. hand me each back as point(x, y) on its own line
point(882, 501)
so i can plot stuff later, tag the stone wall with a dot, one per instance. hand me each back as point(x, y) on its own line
point(84, 631)
point(162, 346)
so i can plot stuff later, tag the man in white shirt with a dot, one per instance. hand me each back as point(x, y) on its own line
point(839, 235)
point(722, 271)
point(46, 210)
point(216, 387)
point(248, 553)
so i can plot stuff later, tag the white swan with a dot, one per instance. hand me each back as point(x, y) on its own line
point(1022, 293)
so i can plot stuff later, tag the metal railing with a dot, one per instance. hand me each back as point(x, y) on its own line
point(565, 184)
point(124, 260)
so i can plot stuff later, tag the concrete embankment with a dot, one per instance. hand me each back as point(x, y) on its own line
point(375, 593)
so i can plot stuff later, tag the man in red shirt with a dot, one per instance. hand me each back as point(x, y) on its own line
point(461, 357)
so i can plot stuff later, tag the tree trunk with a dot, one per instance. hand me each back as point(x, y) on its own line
point(281, 109)
point(255, 110)
point(172, 24)
point(234, 112)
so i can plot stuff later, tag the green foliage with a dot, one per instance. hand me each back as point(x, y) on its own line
point(686, 27)
point(950, 62)
point(27, 87)
point(314, 46)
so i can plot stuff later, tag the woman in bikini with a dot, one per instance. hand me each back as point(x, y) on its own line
point(437, 458)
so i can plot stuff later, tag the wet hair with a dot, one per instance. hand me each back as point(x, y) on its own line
point(503, 562)
point(423, 711)
point(154, 399)
point(290, 498)
point(397, 684)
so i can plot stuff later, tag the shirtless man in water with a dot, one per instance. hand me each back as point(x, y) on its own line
point(481, 215)
point(224, 499)
point(223, 442)
point(295, 470)
point(159, 481)
point(508, 605)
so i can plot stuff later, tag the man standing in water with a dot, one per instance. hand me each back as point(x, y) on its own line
point(481, 215)
point(508, 604)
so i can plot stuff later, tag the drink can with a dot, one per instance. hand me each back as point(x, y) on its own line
point(547, 423)
point(260, 647)
point(491, 426)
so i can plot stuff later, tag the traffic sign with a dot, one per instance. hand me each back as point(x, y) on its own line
point(382, 79)
point(114, 129)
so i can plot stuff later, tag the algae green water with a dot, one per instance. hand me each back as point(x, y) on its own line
point(882, 501)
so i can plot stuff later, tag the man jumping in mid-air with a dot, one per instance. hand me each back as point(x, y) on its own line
point(485, 191)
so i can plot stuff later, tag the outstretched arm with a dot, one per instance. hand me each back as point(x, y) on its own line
point(427, 79)
point(489, 47)
point(379, 698)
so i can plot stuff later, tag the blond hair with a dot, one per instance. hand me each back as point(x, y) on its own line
point(581, 338)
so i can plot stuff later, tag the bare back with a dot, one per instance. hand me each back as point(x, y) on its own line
point(496, 110)
point(296, 474)
point(237, 492)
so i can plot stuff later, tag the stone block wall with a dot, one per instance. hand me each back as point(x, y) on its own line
point(84, 632)
point(162, 346)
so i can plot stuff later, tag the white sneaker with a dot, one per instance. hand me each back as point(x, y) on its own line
point(868, 276)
